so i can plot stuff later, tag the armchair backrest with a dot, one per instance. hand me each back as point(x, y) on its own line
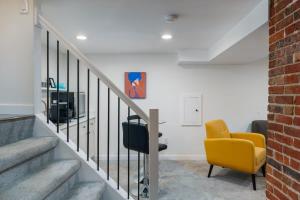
point(216, 129)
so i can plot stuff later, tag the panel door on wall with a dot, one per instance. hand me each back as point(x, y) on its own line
point(192, 110)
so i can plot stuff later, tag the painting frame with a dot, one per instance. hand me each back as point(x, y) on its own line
point(135, 84)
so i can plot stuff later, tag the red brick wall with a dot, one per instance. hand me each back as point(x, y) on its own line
point(283, 169)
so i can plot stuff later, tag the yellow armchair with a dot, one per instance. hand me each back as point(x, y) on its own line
point(245, 152)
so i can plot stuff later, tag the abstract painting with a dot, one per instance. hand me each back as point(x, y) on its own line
point(135, 85)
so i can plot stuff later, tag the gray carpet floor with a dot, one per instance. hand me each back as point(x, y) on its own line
point(187, 180)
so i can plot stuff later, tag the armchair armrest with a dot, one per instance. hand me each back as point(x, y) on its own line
point(256, 138)
point(238, 154)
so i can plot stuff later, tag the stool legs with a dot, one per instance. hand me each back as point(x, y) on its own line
point(145, 187)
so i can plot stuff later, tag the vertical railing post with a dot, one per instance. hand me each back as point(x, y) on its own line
point(68, 95)
point(108, 129)
point(57, 87)
point(139, 159)
point(128, 155)
point(153, 154)
point(88, 117)
point(78, 90)
point(98, 122)
point(48, 82)
point(118, 170)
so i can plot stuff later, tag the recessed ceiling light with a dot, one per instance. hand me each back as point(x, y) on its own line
point(171, 18)
point(81, 37)
point(166, 37)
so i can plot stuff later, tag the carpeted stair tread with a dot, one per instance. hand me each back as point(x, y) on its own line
point(86, 191)
point(39, 185)
point(18, 152)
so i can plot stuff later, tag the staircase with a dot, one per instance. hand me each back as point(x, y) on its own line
point(38, 161)
point(85, 71)
point(31, 170)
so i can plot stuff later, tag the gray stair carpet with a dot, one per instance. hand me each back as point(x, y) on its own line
point(86, 191)
point(29, 169)
point(15, 128)
point(19, 152)
point(39, 185)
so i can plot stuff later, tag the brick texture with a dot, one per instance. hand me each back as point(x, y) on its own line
point(283, 151)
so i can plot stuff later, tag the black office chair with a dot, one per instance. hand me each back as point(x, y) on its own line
point(136, 138)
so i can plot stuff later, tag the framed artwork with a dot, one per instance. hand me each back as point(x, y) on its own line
point(135, 85)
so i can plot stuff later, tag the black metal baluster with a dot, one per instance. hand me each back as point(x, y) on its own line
point(128, 155)
point(118, 142)
point(108, 129)
point(144, 164)
point(57, 86)
point(68, 91)
point(88, 115)
point(77, 104)
point(48, 82)
point(139, 122)
point(98, 121)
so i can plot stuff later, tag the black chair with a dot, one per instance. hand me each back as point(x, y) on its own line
point(136, 117)
point(260, 126)
point(136, 138)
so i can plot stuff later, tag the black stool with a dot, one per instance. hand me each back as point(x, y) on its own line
point(136, 138)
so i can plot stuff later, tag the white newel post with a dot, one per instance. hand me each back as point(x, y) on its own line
point(153, 153)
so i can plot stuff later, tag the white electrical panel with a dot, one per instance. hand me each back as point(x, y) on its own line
point(191, 110)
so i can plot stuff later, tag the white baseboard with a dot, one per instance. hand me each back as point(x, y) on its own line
point(161, 157)
point(16, 109)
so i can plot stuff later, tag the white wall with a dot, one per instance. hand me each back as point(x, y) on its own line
point(237, 94)
point(16, 58)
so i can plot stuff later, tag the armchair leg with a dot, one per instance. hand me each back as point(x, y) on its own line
point(210, 170)
point(263, 170)
point(253, 181)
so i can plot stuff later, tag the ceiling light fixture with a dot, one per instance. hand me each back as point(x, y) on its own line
point(81, 37)
point(171, 18)
point(166, 37)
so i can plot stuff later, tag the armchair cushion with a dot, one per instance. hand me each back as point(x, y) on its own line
point(257, 139)
point(238, 154)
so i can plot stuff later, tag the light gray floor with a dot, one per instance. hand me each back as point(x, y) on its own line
point(187, 180)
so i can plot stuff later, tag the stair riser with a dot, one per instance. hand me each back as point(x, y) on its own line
point(26, 167)
point(14, 130)
point(64, 189)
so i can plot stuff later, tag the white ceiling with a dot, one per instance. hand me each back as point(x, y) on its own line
point(130, 26)
point(252, 48)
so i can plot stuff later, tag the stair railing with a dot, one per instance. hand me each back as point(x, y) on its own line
point(151, 120)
